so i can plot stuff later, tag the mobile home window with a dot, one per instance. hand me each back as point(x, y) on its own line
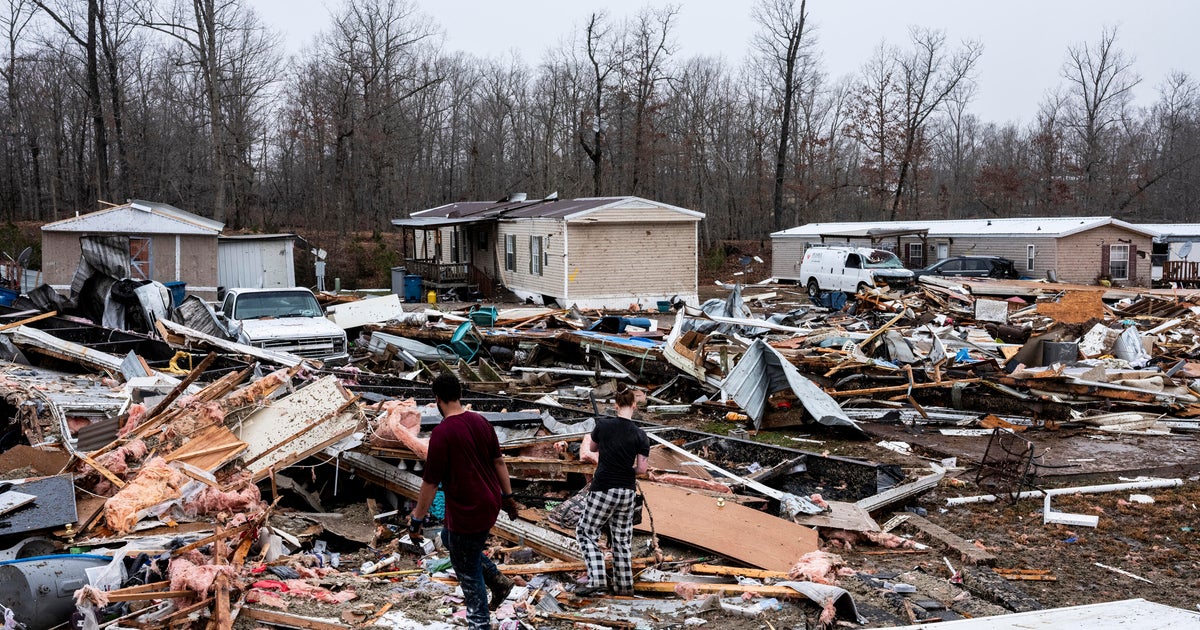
point(139, 258)
point(510, 252)
point(1118, 262)
point(916, 254)
point(535, 255)
point(1030, 250)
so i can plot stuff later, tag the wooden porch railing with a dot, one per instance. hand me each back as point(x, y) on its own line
point(1181, 271)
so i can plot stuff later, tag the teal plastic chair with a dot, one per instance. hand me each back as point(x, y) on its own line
point(465, 342)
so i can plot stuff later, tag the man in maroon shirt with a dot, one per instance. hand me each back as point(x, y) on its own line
point(464, 458)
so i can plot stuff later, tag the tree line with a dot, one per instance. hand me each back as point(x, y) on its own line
point(191, 102)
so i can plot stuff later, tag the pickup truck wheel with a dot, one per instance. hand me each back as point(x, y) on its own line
point(862, 287)
point(814, 290)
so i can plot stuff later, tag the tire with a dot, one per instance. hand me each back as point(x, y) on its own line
point(862, 286)
point(814, 289)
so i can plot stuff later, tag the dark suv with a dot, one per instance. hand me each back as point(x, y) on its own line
point(971, 267)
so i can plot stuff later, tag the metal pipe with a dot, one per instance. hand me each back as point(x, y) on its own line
point(1112, 487)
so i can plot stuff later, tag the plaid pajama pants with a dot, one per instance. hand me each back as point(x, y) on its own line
point(614, 506)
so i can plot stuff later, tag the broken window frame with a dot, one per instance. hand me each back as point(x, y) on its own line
point(536, 249)
point(510, 252)
point(1115, 263)
point(141, 258)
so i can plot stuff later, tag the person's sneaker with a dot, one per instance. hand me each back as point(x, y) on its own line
point(500, 585)
point(590, 591)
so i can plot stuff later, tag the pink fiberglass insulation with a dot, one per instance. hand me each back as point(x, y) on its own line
point(816, 566)
point(684, 481)
point(117, 460)
point(155, 482)
point(213, 501)
point(301, 587)
point(687, 590)
point(137, 413)
point(399, 427)
point(186, 575)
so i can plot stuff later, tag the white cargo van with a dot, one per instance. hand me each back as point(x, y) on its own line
point(851, 269)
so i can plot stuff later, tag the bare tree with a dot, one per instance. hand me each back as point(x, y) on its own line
point(783, 42)
point(602, 60)
point(930, 75)
point(1100, 81)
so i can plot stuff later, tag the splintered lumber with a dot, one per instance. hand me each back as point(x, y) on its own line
point(296, 426)
point(209, 449)
point(897, 388)
point(183, 385)
point(28, 320)
point(277, 618)
point(969, 552)
point(594, 621)
point(542, 464)
point(116, 481)
point(558, 567)
point(114, 596)
point(166, 328)
point(387, 476)
point(781, 592)
point(1032, 575)
point(722, 526)
point(758, 574)
point(900, 493)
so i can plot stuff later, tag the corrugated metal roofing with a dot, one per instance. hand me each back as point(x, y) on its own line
point(528, 209)
point(1051, 227)
point(1168, 231)
point(138, 217)
point(256, 237)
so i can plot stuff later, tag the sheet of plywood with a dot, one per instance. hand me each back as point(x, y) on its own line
point(665, 459)
point(841, 515)
point(735, 531)
point(296, 426)
point(209, 449)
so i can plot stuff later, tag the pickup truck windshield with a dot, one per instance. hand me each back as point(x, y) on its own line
point(276, 304)
point(882, 259)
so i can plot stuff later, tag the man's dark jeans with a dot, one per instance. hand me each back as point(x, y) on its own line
point(470, 565)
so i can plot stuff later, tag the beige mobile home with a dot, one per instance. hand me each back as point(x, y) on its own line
point(596, 252)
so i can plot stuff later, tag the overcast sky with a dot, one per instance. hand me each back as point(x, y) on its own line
point(1025, 41)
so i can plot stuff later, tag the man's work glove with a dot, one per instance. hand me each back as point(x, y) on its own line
point(510, 506)
point(415, 527)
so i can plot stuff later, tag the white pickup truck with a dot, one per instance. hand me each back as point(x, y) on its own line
point(287, 320)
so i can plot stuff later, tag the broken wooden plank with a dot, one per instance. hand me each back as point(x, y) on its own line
point(841, 515)
point(758, 574)
point(969, 552)
point(209, 449)
point(183, 385)
point(900, 493)
point(28, 320)
point(287, 359)
point(539, 539)
point(277, 618)
point(305, 421)
point(781, 592)
point(558, 567)
point(724, 527)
